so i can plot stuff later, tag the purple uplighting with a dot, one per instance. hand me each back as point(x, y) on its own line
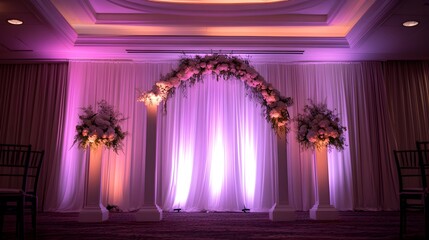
point(159, 109)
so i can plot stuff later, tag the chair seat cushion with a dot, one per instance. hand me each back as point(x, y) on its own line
point(10, 190)
point(416, 191)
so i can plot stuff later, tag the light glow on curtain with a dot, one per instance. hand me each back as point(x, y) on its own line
point(218, 123)
point(248, 163)
point(217, 165)
point(183, 171)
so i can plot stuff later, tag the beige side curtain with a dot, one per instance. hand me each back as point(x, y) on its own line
point(32, 105)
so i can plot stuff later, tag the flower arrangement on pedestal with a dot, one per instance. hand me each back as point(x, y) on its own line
point(100, 128)
point(191, 70)
point(319, 127)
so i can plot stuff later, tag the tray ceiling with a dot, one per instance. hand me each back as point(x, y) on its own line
point(137, 29)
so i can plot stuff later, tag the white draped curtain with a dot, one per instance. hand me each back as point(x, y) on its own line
point(215, 149)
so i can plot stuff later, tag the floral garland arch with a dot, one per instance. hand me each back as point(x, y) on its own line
point(191, 70)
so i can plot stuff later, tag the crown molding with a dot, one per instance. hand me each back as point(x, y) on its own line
point(53, 18)
point(205, 41)
point(370, 20)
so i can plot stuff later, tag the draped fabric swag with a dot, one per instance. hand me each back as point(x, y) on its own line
point(215, 149)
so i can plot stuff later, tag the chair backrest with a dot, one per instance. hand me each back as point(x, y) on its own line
point(14, 162)
point(34, 167)
point(423, 147)
point(409, 170)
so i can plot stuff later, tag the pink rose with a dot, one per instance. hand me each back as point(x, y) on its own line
point(334, 134)
point(264, 93)
point(271, 99)
point(85, 132)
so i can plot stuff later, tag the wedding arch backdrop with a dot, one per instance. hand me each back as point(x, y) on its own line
point(190, 71)
point(362, 177)
point(192, 117)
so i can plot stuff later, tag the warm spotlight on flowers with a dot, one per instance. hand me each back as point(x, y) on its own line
point(100, 128)
point(319, 127)
point(150, 98)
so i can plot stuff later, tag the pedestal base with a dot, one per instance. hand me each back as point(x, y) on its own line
point(282, 213)
point(149, 214)
point(323, 212)
point(93, 215)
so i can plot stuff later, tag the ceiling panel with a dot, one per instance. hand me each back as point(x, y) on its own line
point(319, 30)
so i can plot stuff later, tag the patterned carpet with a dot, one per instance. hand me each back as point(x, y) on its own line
point(351, 225)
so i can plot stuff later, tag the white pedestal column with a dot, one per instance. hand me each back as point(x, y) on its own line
point(93, 210)
point(282, 211)
point(322, 209)
point(150, 211)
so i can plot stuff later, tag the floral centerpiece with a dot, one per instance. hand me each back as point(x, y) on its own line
point(191, 70)
point(319, 127)
point(100, 128)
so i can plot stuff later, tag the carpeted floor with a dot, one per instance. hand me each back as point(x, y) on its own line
point(351, 225)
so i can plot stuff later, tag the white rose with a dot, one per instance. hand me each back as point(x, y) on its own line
point(274, 113)
point(92, 138)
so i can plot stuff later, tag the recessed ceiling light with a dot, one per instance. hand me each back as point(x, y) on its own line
point(15, 21)
point(410, 23)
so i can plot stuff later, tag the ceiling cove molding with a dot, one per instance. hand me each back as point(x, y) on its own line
point(216, 9)
point(56, 20)
point(334, 11)
point(88, 9)
point(242, 51)
point(241, 42)
point(370, 20)
point(271, 20)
